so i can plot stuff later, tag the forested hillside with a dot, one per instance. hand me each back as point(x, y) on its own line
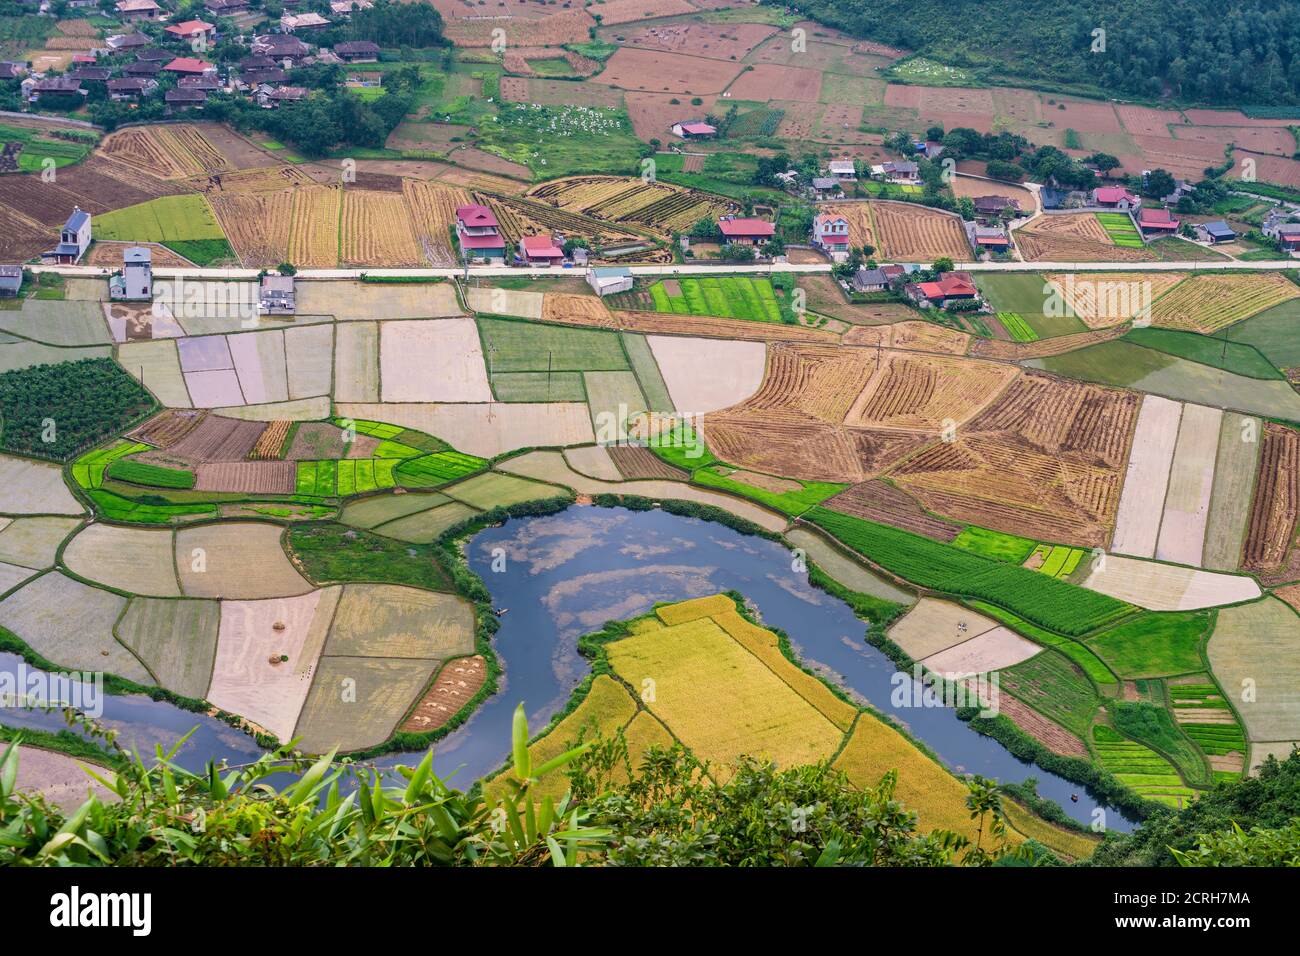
point(1207, 51)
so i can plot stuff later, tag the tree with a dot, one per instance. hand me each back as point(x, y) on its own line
point(737, 252)
point(1103, 161)
point(1159, 182)
point(388, 23)
point(941, 265)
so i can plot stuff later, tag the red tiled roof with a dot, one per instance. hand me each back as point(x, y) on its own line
point(482, 242)
point(1114, 194)
point(1157, 217)
point(541, 247)
point(188, 64)
point(188, 27)
point(949, 285)
point(698, 129)
point(476, 216)
point(746, 227)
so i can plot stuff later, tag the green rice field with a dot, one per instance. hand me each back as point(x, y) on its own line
point(735, 297)
point(1119, 227)
point(1017, 327)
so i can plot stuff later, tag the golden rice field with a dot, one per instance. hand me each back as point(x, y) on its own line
point(314, 228)
point(1211, 302)
point(375, 230)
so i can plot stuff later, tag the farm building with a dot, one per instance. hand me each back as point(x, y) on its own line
point(192, 30)
point(189, 66)
point(992, 238)
point(130, 87)
point(870, 280)
point(127, 41)
point(11, 71)
point(57, 86)
point(826, 187)
point(843, 170)
point(74, 239)
point(748, 232)
point(995, 205)
point(11, 280)
point(608, 280)
point(145, 69)
point(1215, 232)
point(479, 234)
point(694, 130)
point(225, 8)
point(1157, 221)
point(357, 51)
point(276, 295)
point(291, 23)
point(135, 283)
point(185, 99)
point(540, 251)
point(1115, 197)
point(129, 10)
point(831, 234)
point(950, 287)
point(904, 172)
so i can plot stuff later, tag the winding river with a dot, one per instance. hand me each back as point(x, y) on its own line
point(555, 578)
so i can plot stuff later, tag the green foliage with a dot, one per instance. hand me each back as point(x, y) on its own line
point(87, 401)
point(994, 544)
point(143, 473)
point(439, 468)
point(1279, 846)
point(793, 503)
point(1056, 688)
point(332, 553)
point(202, 252)
point(1154, 643)
point(1046, 601)
point(736, 297)
point(1152, 725)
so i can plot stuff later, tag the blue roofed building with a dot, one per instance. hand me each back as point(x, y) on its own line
point(74, 240)
point(1215, 232)
point(607, 280)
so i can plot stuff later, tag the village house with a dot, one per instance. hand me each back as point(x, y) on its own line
point(11, 281)
point(1158, 222)
point(987, 238)
point(902, 172)
point(830, 233)
point(135, 282)
point(252, 80)
point(280, 47)
point(189, 66)
point(479, 234)
point(276, 295)
point(949, 287)
point(1115, 197)
point(344, 8)
point(131, 10)
point(1215, 232)
point(130, 88)
point(292, 23)
point(608, 280)
point(226, 8)
point(273, 97)
point(870, 280)
point(154, 54)
point(55, 86)
point(90, 74)
point(181, 99)
point(11, 71)
point(746, 232)
point(1280, 226)
point(694, 129)
point(147, 69)
point(994, 206)
point(207, 82)
point(74, 240)
point(540, 251)
point(357, 51)
point(1181, 188)
point(192, 30)
point(127, 41)
point(826, 187)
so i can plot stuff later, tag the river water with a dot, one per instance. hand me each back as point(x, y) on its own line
point(558, 577)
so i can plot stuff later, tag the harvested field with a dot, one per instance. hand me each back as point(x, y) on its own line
point(595, 462)
point(364, 301)
point(974, 187)
point(70, 624)
point(248, 477)
point(1234, 483)
point(712, 327)
point(569, 26)
point(1103, 299)
point(1042, 348)
point(722, 41)
point(248, 676)
point(614, 12)
point(381, 690)
point(1259, 643)
point(914, 392)
point(495, 301)
point(31, 487)
point(884, 503)
point(169, 151)
point(1047, 732)
point(483, 429)
point(387, 620)
point(1073, 237)
point(1163, 587)
point(256, 225)
point(653, 114)
point(356, 362)
point(660, 207)
point(260, 364)
point(1191, 480)
point(314, 228)
point(176, 640)
point(263, 179)
point(705, 375)
point(818, 381)
point(33, 542)
point(424, 527)
point(458, 681)
point(375, 230)
point(1277, 496)
point(933, 625)
point(912, 336)
point(235, 559)
point(634, 462)
point(862, 227)
point(1042, 461)
point(657, 72)
point(135, 560)
point(1137, 519)
point(432, 210)
point(793, 83)
point(432, 361)
point(216, 438)
point(1210, 302)
point(912, 233)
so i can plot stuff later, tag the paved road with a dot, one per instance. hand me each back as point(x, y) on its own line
point(684, 269)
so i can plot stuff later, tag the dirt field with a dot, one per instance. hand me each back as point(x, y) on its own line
point(912, 336)
point(913, 233)
point(1277, 496)
point(236, 559)
point(432, 361)
point(457, 682)
point(615, 12)
point(1047, 732)
point(884, 503)
point(135, 560)
point(569, 26)
point(722, 41)
point(1137, 520)
point(974, 188)
point(652, 71)
point(216, 438)
point(791, 82)
point(250, 477)
point(1191, 480)
point(653, 114)
point(634, 462)
point(1162, 587)
point(704, 375)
